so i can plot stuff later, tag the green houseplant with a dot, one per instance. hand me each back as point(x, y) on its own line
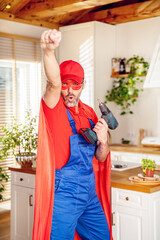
point(3, 177)
point(20, 140)
point(125, 90)
point(148, 167)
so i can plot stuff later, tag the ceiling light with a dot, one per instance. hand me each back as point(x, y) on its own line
point(8, 6)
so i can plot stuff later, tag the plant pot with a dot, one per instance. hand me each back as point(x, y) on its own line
point(149, 173)
point(25, 160)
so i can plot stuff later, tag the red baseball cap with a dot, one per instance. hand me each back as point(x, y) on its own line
point(71, 70)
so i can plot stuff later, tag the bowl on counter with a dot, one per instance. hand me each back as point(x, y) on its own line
point(125, 141)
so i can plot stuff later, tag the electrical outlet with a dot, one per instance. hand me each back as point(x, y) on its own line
point(131, 135)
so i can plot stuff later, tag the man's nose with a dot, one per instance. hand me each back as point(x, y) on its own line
point(70, 90)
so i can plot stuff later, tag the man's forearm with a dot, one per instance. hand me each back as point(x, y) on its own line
point(51, 68)
point(102, 151)
point(49, 42)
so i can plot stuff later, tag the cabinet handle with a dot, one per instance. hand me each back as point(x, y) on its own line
point(113, 224)
point(30, 200)
point(21, 179)
point(127, 198)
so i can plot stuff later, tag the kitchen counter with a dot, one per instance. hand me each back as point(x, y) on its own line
point(134, 148)
point(17, 168)
point(120, 179)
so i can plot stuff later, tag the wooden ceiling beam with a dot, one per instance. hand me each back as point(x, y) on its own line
point(12, 17)
point(35, 7)
point(16, 6)
point(55, 13)
point(149, 7)
point(41, 10)
point(124, 14)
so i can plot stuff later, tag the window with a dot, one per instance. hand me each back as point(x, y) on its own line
point(21, 83)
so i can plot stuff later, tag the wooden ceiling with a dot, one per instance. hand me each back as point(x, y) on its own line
point(57, 13)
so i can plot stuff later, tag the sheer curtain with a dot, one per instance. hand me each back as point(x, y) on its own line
point(21, 82)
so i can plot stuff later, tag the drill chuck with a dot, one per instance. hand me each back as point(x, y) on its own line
point(108, 116)
point(104, 109)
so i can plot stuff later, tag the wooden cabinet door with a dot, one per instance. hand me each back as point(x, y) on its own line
point(129, 223)
point(22, 213)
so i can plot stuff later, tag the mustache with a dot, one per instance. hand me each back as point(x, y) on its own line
point(70, 95)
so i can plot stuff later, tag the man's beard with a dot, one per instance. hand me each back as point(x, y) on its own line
point(74, 102)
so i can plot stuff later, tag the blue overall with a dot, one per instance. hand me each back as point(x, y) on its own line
point(76, 204)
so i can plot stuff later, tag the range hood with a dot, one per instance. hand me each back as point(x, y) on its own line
point(153, 76)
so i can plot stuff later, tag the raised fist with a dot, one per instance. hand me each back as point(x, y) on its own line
point(50, 39)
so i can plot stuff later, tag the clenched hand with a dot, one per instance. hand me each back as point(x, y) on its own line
point(101, 129)
point(50, 39)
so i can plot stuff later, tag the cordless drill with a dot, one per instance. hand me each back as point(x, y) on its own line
point(107, 115)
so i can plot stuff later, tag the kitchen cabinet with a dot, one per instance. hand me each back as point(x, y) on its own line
point(126, 156)
point(22, 205)
point(133, 156)
point(136, 215)
point(92, 45)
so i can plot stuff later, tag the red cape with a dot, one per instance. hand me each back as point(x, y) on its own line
point(45, 180)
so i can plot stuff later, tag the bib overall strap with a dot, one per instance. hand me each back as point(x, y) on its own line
point(72, 122)
point(91, 122)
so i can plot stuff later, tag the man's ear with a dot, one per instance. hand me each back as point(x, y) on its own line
point(84, 84)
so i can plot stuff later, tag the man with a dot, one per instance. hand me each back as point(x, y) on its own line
point(71, 203)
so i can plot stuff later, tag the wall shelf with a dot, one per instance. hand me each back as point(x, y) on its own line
point(119, 75)
point(125, 75)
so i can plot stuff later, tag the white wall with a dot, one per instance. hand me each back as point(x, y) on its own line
point(93, 45)
point(20, 29)
point(77, 44)
point(104, 41)
point(138, 38)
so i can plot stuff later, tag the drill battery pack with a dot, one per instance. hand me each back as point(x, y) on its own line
point(89, 135)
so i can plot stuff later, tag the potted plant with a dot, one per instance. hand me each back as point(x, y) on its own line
point(3, 177)
point(138, 66)
point(125, 90)
point(20, 140)
point(148, 167)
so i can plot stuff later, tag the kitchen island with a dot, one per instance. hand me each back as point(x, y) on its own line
point(135, 208)
point(120, 179)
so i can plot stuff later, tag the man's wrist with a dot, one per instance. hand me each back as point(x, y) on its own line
point(48, 52)
point(104, 143)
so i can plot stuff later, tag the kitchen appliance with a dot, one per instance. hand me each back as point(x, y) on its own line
point(151, 142)
point(122, 166)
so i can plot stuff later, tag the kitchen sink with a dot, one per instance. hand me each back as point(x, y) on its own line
point(122, 166)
